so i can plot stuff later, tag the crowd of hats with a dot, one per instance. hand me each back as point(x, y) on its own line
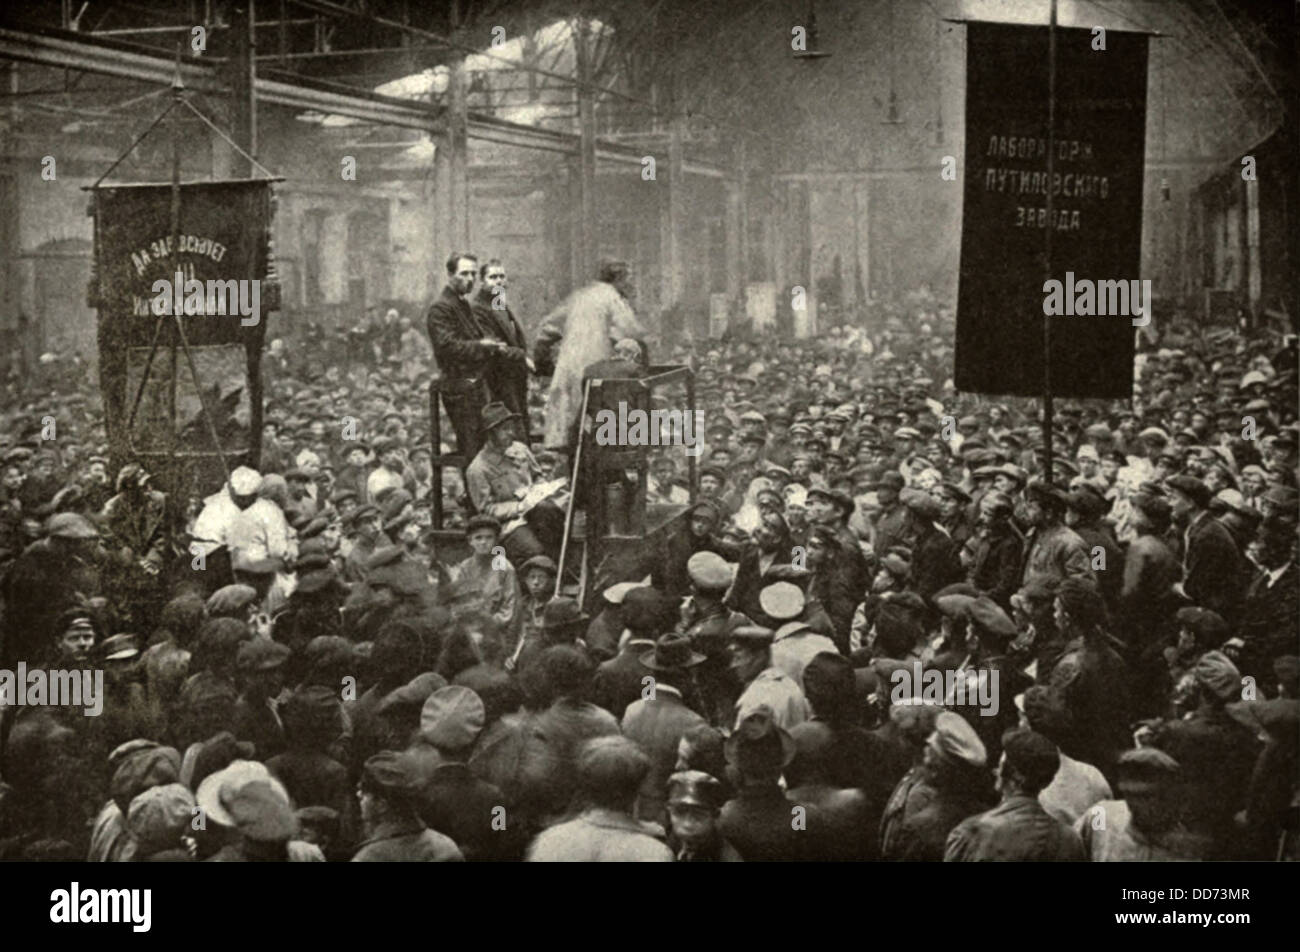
point(841, 420)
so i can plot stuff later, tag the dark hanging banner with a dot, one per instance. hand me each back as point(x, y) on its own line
point(1096, 218)
point(221, 285)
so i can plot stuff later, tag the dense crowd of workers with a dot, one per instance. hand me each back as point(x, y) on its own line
point(877, 632)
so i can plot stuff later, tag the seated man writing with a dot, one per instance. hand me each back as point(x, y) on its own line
point(500, 484)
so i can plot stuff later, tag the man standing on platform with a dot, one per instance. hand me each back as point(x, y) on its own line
point(580, 332)
point(507, 372)
point(462, 353)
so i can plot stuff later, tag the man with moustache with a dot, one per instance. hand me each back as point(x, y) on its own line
point(463, 353)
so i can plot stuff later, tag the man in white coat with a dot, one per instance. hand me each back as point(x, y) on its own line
point(585, 328)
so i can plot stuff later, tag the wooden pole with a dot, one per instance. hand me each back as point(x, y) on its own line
point(1047, 243)
point(584, 256)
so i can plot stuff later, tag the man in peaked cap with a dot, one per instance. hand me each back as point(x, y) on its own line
point(389, 792)
point(794, 642)
point(1147, 596)
point(657, 721)
point(1085, 507)
point(489, 582)
point(695, 801)
point(948, 785)
point(707, 622)
point(699, 532)
point(257, 716)
point(832, 508)
point(890, 523)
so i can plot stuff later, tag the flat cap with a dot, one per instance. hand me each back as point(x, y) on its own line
point(543, 562)
point(71, 525)
point(989, 616)
point(158, 817)
point(230, 600)
point(415, 691)
point(245, 796)
point(120, 647)
point(956, 741)
point(1193, 488)
point(393, 772)
point(261, 654)
point(783, 601)
point(1215, 672)
point(1208, 626)
point(709, 571)
point(921, 503)
point(482, 521)
point(452, 718)
point(1044, 492)
point(955, 492)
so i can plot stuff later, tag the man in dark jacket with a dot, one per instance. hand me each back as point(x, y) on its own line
point(760, 821)
point(52, 575)
point(1268, 615)
point(950, 784)
point(1084, 509)
point(1211, 562)
point(507, 371)
point(452, 800)
point(1147, 601)
point(934, 560)
point(1091, 676)
point(389, 789)
point(1216, 754)
point(645, 614)
point(696, 534)
point(833, 508)
point(1018, 829)
point(463, 353)
point(998, 551)
point(709, 624)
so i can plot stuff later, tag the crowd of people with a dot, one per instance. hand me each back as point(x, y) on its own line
point(879, 631)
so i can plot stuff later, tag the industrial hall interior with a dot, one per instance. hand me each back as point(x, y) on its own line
point(672, 430)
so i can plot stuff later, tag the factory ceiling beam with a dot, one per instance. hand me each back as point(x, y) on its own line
point(81, 52)
point(77, 51)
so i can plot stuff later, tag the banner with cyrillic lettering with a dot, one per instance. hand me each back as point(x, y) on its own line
point(1096, 216)
point(215, 279)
